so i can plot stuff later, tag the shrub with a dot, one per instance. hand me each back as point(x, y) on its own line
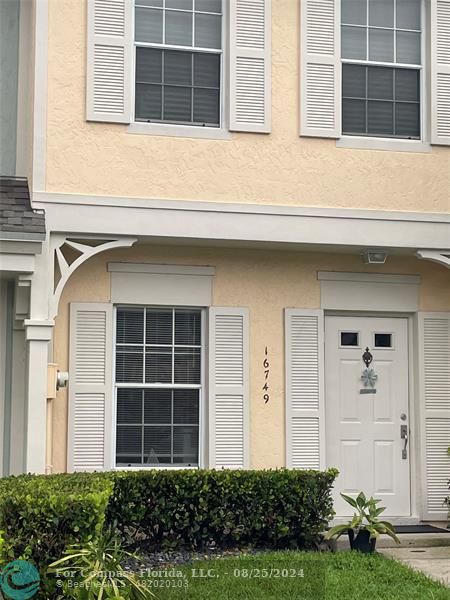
point(41, 516)
point(190, 508)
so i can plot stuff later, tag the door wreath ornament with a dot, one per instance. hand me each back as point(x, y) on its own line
point(368, 377)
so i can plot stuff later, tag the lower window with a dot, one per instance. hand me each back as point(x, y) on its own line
point(380, 101)
point(157, 426)
point(158, 386)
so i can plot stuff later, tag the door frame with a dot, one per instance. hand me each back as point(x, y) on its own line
point(415, 442)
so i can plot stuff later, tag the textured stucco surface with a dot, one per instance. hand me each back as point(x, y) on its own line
point(280, 168)
point(265, 281)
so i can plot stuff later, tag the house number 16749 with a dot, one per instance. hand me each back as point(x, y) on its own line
point(266, 366)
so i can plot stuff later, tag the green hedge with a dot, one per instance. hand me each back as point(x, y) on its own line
point(40, 516)
point(169, 509)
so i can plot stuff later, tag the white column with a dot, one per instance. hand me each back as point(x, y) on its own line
point(3, 367)
point(18, 408)
point(37, 335)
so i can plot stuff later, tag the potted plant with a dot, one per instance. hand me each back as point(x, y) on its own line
point(365, 527)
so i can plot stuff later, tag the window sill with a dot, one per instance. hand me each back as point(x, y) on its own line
point(367, 143)
point(156, 467)
point(185, 131)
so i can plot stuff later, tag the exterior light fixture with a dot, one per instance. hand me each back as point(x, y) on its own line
point(374, 257)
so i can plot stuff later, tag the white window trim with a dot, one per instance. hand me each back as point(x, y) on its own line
point(146, 284)
point(398, 144)
point(131, 267)
point(185, 131)
point(394, 145)
point(203, 432)
point(188, 131)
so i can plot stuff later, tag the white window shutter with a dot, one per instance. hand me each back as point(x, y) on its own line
point(304, 389)
point(320, 68)
point(440, 72)
point(250, 65)
point(109, 60)
point(434, 345)
point(229, 388)
point(90, 387)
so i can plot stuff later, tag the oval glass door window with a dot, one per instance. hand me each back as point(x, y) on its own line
point(349, 338)
point(383, 340)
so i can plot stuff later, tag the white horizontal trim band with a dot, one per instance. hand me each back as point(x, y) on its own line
point(128, 267)
point(46, 199)
point(180, 221)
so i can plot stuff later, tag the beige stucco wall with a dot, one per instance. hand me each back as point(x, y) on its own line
point(280, 168)
point(265, 281)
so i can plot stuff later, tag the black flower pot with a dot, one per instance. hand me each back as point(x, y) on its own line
point(362, 541)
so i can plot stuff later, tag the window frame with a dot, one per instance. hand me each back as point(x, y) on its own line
point(180, 129)
point(420, 144)
point(384, 332)
point(349, 346)
point(202, 439)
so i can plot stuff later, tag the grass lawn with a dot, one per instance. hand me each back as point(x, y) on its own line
point(326, 576)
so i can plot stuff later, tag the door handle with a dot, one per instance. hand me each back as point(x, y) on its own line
point(404, 436)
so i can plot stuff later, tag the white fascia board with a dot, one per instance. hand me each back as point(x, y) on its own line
point(212, 221)
point(46, 198)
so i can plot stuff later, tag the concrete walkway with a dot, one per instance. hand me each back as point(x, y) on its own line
point(426, 552)
point(432, 560)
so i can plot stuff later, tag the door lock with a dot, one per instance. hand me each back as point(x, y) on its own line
point(404, 436)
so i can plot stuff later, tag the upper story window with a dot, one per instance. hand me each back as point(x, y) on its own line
point(381, 68)
point(178, 61)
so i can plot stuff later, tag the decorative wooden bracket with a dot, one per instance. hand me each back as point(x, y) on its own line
point(439, 256)
point(71, 252)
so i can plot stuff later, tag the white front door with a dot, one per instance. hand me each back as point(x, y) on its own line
point(364, 419)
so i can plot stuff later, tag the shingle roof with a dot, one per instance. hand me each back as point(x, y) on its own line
point(16, 214)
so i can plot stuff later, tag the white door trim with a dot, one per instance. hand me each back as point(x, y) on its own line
point(415, 420)
point(368, 277)
point(372, 292)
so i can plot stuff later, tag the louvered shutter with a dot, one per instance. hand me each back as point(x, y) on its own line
point(250, 65)
point(90, 387)
point(320, 69)
point(440, 72)
point(229, 387)
point(304, 389)
point(109, 60)
point(434, 345)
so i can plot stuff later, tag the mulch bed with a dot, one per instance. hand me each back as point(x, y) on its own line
point(151, 560)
